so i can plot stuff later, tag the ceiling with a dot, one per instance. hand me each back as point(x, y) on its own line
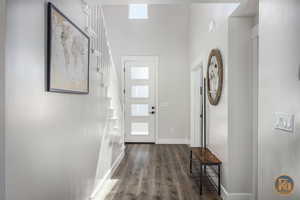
point(125, 2)
point(246, 7)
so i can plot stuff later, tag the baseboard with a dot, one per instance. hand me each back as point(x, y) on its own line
point(172, 141)
point(108, 174)
point(235, 196)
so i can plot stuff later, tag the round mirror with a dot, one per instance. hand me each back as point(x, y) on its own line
point(214, 77)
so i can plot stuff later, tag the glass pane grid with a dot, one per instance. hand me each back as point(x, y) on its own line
point(140, 91)
point(139, 128)
point(139, 73)
point(139, 110)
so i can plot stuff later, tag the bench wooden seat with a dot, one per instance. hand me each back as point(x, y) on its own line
point(205, 156)
point(205, 159)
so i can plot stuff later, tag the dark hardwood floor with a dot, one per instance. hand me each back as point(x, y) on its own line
point(155, 172)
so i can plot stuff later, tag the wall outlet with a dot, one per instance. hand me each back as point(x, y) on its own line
point(284, 121)
point(172, 130)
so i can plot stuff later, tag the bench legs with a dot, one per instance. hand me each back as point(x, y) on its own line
point(203, 172)
point(201, 179)
point(191, 164)
point(219, 180)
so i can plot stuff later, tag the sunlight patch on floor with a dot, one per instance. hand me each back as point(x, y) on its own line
point(107, 189)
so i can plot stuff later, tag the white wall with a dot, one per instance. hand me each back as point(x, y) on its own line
point(240, 104)
point(201, 43)
point(53, 141)
point(2, 138)
point(165, 35)
point(279, 91)
point(229, 124)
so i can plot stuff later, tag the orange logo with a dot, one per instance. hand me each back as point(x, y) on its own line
point(284, 185)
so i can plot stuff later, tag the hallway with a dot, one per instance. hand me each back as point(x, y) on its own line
point(154, 172)
point(112, 99)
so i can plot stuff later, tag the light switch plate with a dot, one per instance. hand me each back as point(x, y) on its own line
point(284, 121)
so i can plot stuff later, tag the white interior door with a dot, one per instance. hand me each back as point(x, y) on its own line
point(196, 107)
point(140, 105)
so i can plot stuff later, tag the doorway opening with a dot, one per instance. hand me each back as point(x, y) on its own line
point(196, 106)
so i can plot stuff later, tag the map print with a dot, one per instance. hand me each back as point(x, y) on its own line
point(69, 55)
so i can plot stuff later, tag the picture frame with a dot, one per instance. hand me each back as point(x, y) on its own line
point(214, 77)
point(68, 54)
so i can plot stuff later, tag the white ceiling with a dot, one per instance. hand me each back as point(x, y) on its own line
point(246, 7)
point(125, 2)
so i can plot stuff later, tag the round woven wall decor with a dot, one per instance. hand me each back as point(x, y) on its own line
point(214, 76)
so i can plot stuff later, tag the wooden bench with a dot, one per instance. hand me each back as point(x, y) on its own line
point(210, 168)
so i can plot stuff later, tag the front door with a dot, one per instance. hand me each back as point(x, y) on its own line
point(140, 101)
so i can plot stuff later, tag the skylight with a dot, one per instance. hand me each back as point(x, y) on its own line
point(138, 11)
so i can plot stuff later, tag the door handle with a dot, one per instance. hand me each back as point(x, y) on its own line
point(152, 112)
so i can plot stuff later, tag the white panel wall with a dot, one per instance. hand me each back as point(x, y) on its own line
point(279, 87)
point(165, 35)
point(2, 49)
point(240, 104)
point(54, 141)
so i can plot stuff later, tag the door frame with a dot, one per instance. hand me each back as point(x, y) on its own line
point(196, 138)
point(255, 84)
point(155, 60)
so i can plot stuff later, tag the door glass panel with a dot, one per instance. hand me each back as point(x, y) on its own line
point(139, 128)
point(140, 91)
point(139, 110)
point(139, 73)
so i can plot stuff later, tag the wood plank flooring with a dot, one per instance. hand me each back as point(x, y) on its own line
point(155, 172)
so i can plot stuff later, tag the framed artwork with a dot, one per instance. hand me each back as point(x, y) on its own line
point(214, 77)
point(68, 55)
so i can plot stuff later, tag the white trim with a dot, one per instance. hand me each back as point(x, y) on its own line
point(173, 141)
point(255, 32)
point(150, 58)
point(198, 61)
point(235, 196)
point(255, 103)
point(197, 66)
point(139, 140)
point(156, 100)
point(108, 174)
